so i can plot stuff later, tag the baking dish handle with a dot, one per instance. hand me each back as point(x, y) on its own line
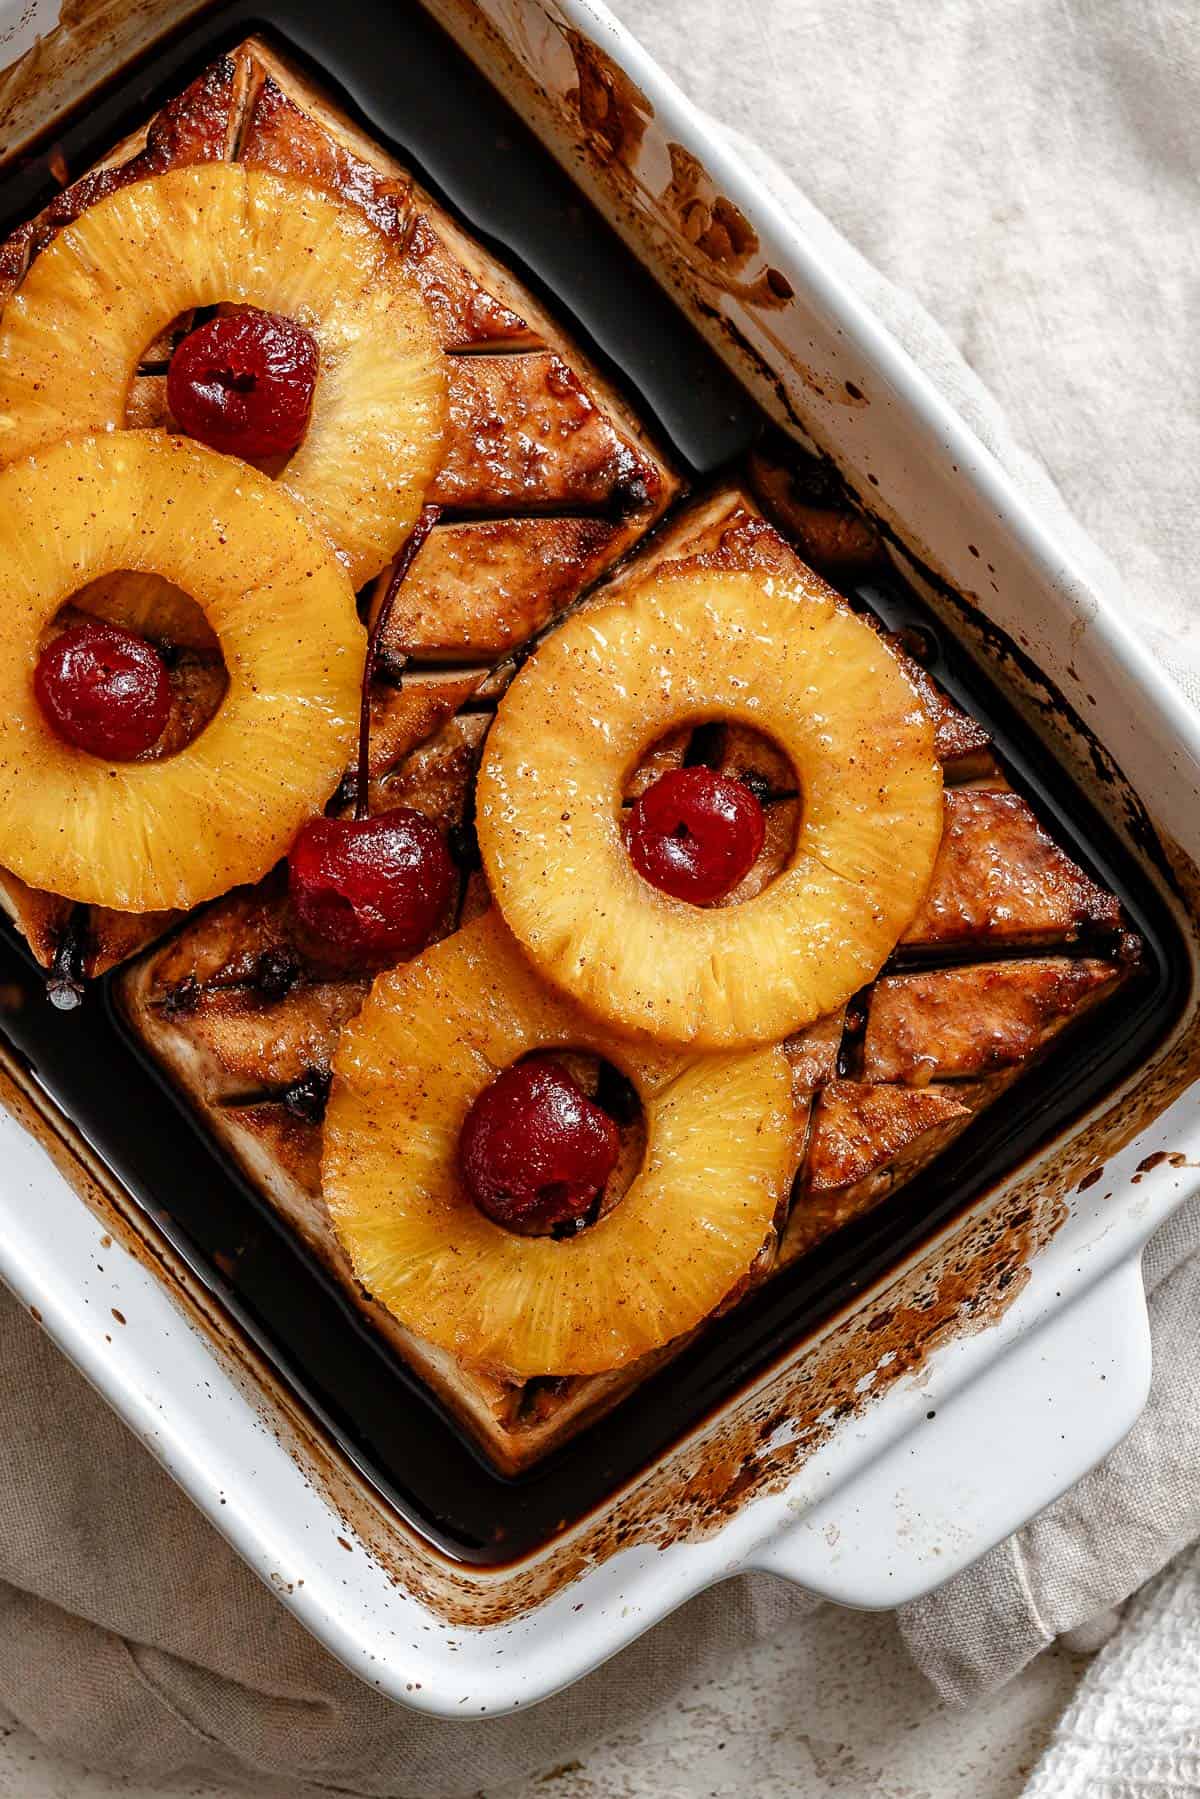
point(976, 1466)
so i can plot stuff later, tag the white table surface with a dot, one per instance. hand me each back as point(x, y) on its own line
point(837, 1711)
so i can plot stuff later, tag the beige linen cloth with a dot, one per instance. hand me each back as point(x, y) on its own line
point(1025, 172)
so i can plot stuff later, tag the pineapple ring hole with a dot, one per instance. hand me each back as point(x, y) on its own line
point(688, 644)
point(156, 354)
point(733, 748)
point(170, 620)
point(615, 1094)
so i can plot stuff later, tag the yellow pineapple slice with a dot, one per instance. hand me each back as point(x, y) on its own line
point(690, 644)
point(720, 1152)
point(71, 338)
point(147, 836)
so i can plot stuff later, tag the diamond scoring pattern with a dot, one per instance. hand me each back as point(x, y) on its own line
point(880, 1088)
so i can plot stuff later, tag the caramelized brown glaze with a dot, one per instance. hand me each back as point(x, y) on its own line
point(861, 1127)
point(404, 714)
point(289, 140)
point(276, 1136)
point(435, 778)
point(260, 1042)
point(958, 1023)
point(482, 587)
point(1000, 876)
point(224, 943)
point(797, 493)
point(112, 937)
point(196, 126)
point(865, 1141)
point(524, 433)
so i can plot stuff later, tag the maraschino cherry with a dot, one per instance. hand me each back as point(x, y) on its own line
point(694, 834)
point(244, 383)
point(535, 1152)
point(370, 890)
point(103, 690)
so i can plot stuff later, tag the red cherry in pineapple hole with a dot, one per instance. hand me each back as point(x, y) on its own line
point(535, 1151)
point(694, 834)
point(103, 690)
point(244, 383)
point(370, 890)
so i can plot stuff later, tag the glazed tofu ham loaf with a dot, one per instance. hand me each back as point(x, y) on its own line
point(247, 1021)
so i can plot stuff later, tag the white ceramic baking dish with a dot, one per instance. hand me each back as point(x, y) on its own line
point(850, 1467)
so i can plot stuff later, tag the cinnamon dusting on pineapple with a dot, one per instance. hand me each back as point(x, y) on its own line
point(71, 341)
point(142, 836)
point(784, 656)
point(430, 1039)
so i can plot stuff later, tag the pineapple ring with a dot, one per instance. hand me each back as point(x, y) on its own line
point(720, 1153)
point(148, 836)
point(71, 337)
point(689, 644)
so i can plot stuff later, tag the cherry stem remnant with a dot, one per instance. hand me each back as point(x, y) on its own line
point(64, 980)
point(412, 546)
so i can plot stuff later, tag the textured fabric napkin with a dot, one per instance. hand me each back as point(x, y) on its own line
point(1133, 1729)
point(1029, 174)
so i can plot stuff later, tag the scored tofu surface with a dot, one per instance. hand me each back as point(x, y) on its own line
point(964, 1023)
point(247, 1022)
point(1000, 874)
point(547, 477)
